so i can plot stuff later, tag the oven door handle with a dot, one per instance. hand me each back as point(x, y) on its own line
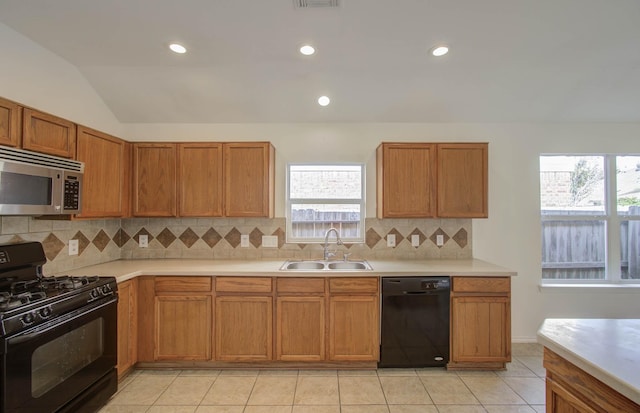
point(58, 321)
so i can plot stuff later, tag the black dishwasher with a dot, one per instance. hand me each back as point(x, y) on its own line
point(415, 322)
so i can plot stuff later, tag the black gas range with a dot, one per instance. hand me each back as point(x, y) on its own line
point(58, 336)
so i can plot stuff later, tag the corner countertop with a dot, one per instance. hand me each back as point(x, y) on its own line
point(607, 349)
point(126, 269)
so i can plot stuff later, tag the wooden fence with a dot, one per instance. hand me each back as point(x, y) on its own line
point(310, 223)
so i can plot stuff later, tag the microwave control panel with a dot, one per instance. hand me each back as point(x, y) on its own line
point(71, 193)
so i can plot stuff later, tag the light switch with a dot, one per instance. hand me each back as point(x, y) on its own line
point(270, 241)
point(415, 240)
point(439, 240)
point(391, 240)
point(244, 241)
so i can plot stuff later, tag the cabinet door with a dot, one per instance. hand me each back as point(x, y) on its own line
point(200, 179)
point(560, 400)
point(480, 329)
point(249, 179)
point(244, 328)
point(183, 327)
point(104, 174)
point(406, 180)
point(154, 180)
point(300, 328)
point(127, 326)
point(462, 180)
point(46, 133)
point(10, 127)
point(353, 328)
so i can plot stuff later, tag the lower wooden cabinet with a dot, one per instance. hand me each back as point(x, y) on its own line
point(244, 328)
point(183, 327)
point(127, 325)
point(300, 328)
point(480, 322)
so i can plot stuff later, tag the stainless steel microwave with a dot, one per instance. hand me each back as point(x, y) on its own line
point(33, 183)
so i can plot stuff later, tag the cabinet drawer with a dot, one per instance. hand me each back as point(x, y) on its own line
point(353, 285)
point(182, 284)
point(481, 285)
point(299, 285)
point(243, 284)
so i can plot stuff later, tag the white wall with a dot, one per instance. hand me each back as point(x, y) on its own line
point(35, 77)
point(509, 237)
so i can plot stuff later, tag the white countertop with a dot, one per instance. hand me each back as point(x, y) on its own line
point(126, 269)
point(607, 349)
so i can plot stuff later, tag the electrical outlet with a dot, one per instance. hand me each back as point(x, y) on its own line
point(143, 240)
point(439, 240)
point(270, 241)
point(415, 240)
point(244, 241)
point(391, 240)
point(73, 247)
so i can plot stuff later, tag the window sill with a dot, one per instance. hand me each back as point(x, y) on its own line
point(590, 288)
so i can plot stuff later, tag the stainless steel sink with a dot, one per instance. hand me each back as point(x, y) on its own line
point(320, 265)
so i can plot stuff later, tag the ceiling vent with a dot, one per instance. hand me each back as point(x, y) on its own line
point(313, 4)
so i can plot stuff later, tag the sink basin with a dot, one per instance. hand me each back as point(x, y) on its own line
point(319, 265)
point(348, 265)
point(304, 265)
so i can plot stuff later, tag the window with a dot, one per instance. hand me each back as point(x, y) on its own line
point(323, 196)
point(590, 213)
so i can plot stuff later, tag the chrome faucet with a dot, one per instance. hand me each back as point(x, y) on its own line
point(327, 253)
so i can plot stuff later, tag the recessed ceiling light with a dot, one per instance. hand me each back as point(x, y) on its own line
point(307, 50)
point(177, 48)
point(324, 100)
point(440, 51)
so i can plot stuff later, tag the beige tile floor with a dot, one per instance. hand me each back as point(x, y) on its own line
point(518, 389)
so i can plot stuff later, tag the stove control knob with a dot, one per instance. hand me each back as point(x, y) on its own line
point(95, 293)
point(106, 290)
point(28, 318)
point(45, 312)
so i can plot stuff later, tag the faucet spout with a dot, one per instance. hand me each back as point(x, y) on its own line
point(328, 254)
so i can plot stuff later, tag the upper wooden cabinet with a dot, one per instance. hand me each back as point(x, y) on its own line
point(249, 179)
point(46, 133)
point(106, 172)
point(210, 179)
point(463, 180)
point(10, 127)
point(154, 179)
point(200, 179)
point(424, 180)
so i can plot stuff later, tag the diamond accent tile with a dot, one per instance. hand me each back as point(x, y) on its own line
point(83, 242)
point(52, 246)
point(188, 237)
point(421, 237)
point(211, 237)
point(101, 240)
point(461, 238)
point(439, 231)
point(302, 246)
point(398, 235)
point(233, 237)
point(121, 238)
point(166, 237)
point(281, 236)
point(372, 238)
point(16, 239)
point(255, 237)
point(143, 231)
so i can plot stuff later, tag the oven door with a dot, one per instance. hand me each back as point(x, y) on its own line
point(55, 365)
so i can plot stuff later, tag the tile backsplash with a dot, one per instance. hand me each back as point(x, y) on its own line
point(220, 238)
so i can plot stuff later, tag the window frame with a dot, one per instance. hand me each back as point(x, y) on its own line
point(612, 221)
point(291, 201)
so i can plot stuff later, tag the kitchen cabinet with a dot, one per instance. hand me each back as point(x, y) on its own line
point(106, 172)
point(154, 180)
point(354, 319)
point(425, 180)
point(127, 325)
point(249, 179)
point(480, 322)
point(204, 179)
point(570, 389)
point(244, 319)
point(10, 123)
point(42, 132)
point(200, 180)
point(300, 319)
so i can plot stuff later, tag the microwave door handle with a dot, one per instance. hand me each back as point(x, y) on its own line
point(57, 190)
